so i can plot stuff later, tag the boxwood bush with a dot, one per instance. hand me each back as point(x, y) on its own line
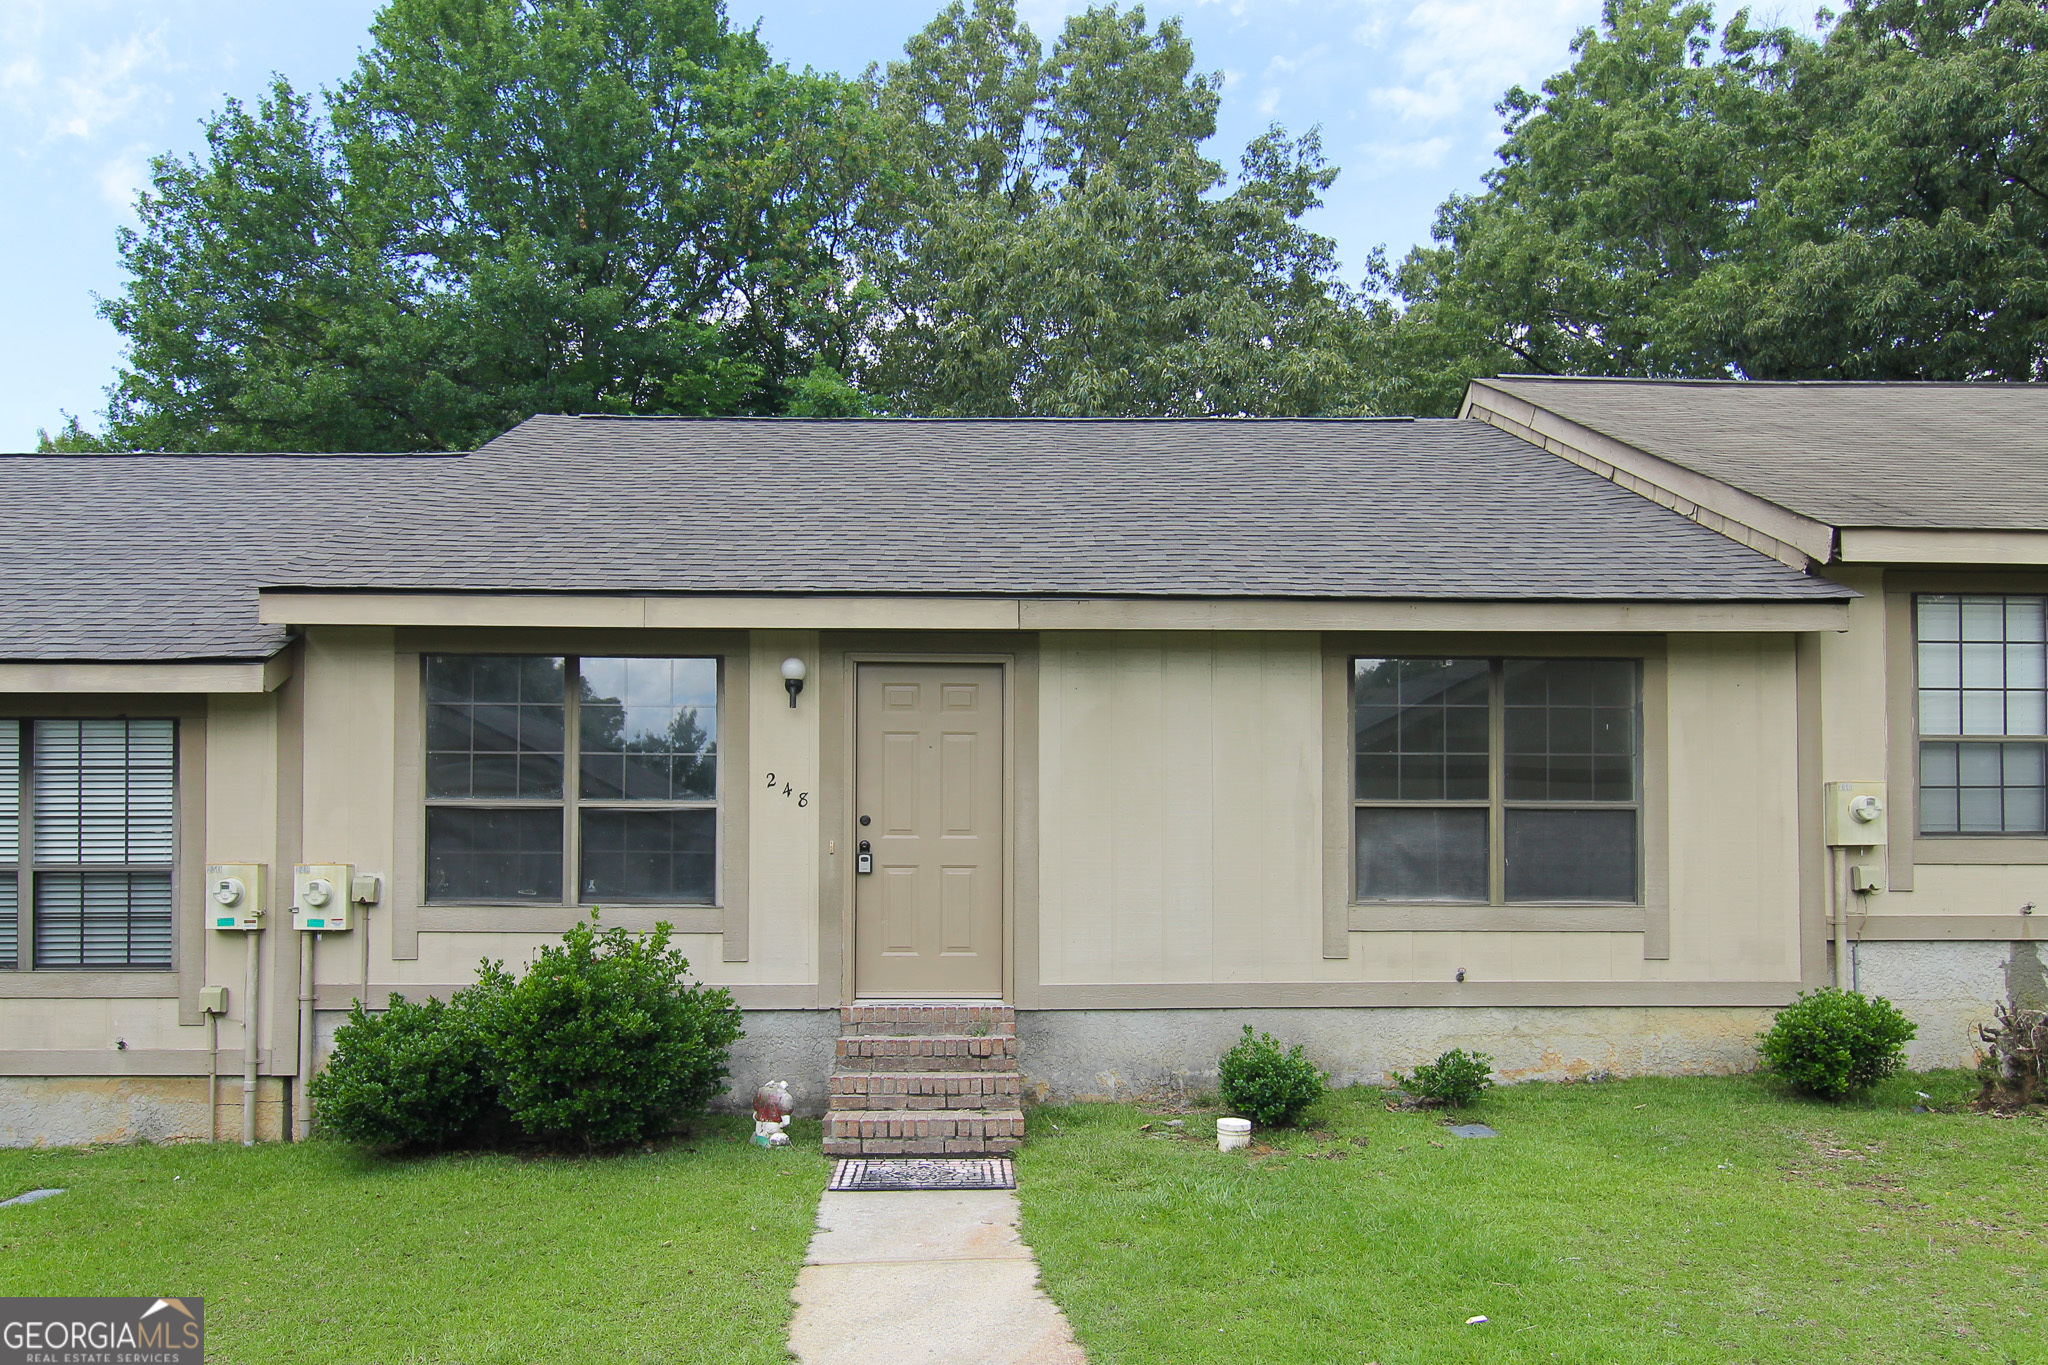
point(412, 1076)
point(1456, 1078)
point(1266, 1085)
point(1833, 1043)
point(604, 1040)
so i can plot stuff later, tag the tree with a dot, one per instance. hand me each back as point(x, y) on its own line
point(1050, 240)
point(1621, 185)
point(1873, 205)
point(1911, 241)
point(513, 206)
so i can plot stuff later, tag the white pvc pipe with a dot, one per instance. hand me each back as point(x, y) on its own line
point(249, 1017)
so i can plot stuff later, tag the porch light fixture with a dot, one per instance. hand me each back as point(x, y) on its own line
point(793, 671)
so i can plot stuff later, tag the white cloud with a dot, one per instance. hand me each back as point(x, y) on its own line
point(1046, 18)
point(1394, 158)
point(121, 175)
point(1454, 57)
point(102, 88)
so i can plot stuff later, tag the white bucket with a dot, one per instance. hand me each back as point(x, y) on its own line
point(1232, 1134)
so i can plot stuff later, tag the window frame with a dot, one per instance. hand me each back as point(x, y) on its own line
point(1921, 738)
point(1497, 803)
point(1909, 847)
point(179, 979)
point(412, 914)
point(572, 803)
point(1344, 914)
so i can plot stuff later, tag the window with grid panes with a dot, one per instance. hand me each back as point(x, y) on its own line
point(1493, 781)
point(1983, 673)
point(559, 780)
point(87, 844)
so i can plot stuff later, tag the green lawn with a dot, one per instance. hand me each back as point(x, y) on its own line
point(321, 1253)
point(1638, 1221)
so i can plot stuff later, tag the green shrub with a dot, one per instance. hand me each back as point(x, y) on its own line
point(413, 1076)
point(1266, 1085)
point(1457, 1078)
point(1833, 1042)
point(605, 1039)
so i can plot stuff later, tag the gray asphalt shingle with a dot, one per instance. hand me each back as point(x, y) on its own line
point(157, 557)
point(1922, 456)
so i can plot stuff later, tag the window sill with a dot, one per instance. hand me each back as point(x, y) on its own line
point(514, 918)
point(2022, 850)
point(1526, 919)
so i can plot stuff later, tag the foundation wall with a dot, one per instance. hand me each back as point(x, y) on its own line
point(80, 1111)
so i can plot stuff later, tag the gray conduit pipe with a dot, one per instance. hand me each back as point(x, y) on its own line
point(212, 1076)
point(249, 1017)
point(302, 1099)
point(1838, 907)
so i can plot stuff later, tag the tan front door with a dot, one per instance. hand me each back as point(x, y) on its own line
point(928, 799)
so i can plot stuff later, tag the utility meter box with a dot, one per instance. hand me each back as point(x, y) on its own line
point(234, 895)
point(1855, 815)
point(320, 897)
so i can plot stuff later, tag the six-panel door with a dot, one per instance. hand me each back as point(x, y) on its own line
point(928, 780)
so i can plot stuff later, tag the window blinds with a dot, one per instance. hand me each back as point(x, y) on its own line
point(10, 843)
point(104, 840)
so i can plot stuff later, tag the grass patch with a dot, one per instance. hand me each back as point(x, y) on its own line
point(322, 1252)
point(1699, 1219)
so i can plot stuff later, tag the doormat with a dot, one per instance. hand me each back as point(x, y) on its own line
point(962, 1173)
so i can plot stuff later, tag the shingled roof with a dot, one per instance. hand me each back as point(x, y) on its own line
point(1902, 455)
point(160, 556)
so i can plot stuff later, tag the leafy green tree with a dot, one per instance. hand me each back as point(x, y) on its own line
point(1911, 240)
point(1872, 205)
point(512, 206)
point(1050, 240)
point(71, 439)
point(1621, 185)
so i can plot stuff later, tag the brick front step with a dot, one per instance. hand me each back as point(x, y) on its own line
point(926, 1090)
point(966, 1020)
point(927, 1052)
point(892, 1132)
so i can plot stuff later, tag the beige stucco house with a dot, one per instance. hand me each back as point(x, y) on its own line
point(1512, 732)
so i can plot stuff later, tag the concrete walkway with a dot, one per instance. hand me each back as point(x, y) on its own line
point(917, 1276)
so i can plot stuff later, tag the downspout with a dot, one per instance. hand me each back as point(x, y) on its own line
point(302, 1099)
point(249, 1017)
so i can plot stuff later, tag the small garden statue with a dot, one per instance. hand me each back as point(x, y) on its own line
point(771, 1114)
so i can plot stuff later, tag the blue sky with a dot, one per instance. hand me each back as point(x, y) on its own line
point(91, 89)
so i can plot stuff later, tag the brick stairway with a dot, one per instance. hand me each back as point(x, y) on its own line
point(925, 1080)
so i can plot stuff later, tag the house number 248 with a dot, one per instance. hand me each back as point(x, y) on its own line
point(802, 798)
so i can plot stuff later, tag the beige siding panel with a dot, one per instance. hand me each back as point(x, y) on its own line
point(93, 1024)
point(1733, 803)
point(1853, 734)
point(349, 785)
point(1188, 836)
point(1969, 889)
point(241, 827)
point(783, 847)
point(1180, 779)
point(1142, 739)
